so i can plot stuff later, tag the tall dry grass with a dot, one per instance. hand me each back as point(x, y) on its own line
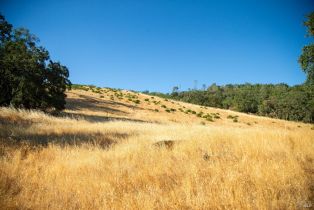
point(62, 163)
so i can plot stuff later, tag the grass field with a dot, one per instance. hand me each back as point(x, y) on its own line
point(114, 149)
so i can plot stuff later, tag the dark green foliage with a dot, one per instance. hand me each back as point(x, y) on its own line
point(168, 110)
point(306, 59)
point(96, 91)
point(156, 110)
point(29, 78)
point(216, 116)
point(146, 99)
point(137, 101)
point(175, 91)
point(278, 101)
point(209, 118)
point(173, 110)
point(229, 117)
point(163, 106)
point(233, 117)
point(200, 114)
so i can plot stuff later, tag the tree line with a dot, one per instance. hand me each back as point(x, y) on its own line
point(278, 101)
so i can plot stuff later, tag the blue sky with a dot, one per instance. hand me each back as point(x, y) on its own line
point(155, 45)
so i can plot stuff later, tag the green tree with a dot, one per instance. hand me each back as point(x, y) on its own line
point(175, 91)
point(306, 59)
point(29, 79)
point(246, 99)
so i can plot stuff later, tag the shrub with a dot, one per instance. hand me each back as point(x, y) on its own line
point(168, 110)
point(146, 99)
point(163, 106)
point(232, 116)
point(137, 101)
point(216, 117)
point(156, 110)
point(101, 96)
point(200, 114)
point(229, 117)
point(209, 118)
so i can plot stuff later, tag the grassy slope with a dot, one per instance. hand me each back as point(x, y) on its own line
point(102, 155)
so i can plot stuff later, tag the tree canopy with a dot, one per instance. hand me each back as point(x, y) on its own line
point(306, 59)
point(29, 78)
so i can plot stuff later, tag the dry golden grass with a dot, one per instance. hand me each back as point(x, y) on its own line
point(102, 155)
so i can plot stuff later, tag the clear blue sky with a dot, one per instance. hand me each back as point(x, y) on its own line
point(155, 45)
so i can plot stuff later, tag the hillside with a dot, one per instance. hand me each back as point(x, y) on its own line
point(113, 149)
point(108, 104)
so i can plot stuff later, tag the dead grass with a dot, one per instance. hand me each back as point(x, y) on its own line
point(85, 162)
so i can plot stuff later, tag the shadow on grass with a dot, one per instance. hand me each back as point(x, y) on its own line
point(97, 118)
point(92, 103)
point(13, 134)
